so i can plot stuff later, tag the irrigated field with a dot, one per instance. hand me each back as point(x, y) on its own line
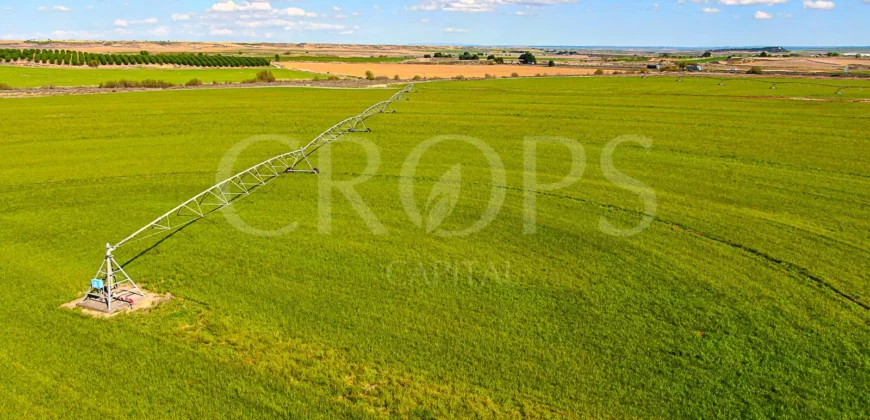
point(22, 77)
point(746, 296)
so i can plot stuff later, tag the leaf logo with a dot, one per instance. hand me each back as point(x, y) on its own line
point(443, 198)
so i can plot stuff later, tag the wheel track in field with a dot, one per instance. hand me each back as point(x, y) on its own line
point(786, 265)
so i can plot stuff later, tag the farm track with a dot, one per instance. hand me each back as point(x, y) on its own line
point(786, 265)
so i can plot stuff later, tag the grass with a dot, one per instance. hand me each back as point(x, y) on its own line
point(704, 60)
point(723, 308)
point(630, 58)
point(336, 59)
point(22, 77)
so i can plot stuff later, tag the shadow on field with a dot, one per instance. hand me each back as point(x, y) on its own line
point(146, 250)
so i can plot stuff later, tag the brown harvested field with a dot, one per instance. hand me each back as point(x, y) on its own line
point(842, 61)
point(407, 71)
point(810, 64)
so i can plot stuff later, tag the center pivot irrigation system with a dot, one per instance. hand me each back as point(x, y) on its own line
point(112, 283)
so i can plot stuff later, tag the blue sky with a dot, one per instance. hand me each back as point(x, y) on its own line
point(687, 23)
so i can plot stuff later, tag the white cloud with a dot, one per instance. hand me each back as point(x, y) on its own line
point(320, 26)
point(451, 29)
point(124, 23)
point(340, 16)
point(180, 16)
point(750, 2)
point(89, 7)
point(220, 32)
point(820, 4)
point(231, 6)
point(53, 8)
point(473, 6)
point(263, 23)
point(762, 15)
point(424, 20)
point(347, 32)
point(76, 35)
point(289, 25)
point(159, 31)
point(295, 11)
point(425, 7)
point(336, 8)
point(711, 10)
point(357, 14)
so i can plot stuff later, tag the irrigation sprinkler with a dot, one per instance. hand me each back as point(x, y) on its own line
point(722, 82)
point(773, 86)
point(840, 91)
point(112, 284)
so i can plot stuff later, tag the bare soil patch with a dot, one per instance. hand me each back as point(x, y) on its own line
point(139, 303)
point(802, 64)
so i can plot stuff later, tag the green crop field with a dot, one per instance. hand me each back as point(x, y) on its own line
point(745, 297)
point(704, 60)
point(336, 59)
point(69, 76)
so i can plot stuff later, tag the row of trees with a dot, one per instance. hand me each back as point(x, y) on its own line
point(78, 58)
point(525, 58)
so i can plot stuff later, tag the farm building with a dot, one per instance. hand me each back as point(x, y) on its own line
point(694, 68)
point(653, 66)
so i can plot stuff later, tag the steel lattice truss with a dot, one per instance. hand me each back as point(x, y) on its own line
point(237, 186)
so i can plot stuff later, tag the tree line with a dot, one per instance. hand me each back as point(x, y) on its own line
point(78, 58)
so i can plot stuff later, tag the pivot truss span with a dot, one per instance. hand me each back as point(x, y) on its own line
point(227, 191)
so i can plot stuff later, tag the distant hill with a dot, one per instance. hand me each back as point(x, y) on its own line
point(771, 50)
